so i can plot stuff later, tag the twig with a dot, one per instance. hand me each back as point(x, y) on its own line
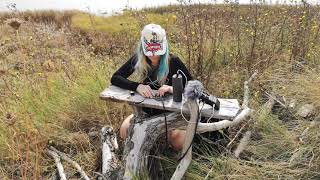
point(306, 130)
point(243, 143)
point(69, 160)
point(56, 158)
point(236, 136)
point(207, 176)
point(310, 162)
point(274, 98)
point(246, 95)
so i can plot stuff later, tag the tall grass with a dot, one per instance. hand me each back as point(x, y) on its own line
point(50, 97)
point(55, 65)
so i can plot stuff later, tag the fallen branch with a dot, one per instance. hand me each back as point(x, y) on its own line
point(56, 158)
point(245, 102)
point(183, 166)
point(236, 136)
point(245, 105)
point(73, 163)
point(187, 148)
point(110, 162)
point(245, 139)
point(205, 127)
point(275, 99)
point(243, 143)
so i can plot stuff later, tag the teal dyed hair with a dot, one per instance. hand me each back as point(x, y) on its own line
point(163, 70)
point(142, 67)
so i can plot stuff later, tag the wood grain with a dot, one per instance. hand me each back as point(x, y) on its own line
point(229, 108)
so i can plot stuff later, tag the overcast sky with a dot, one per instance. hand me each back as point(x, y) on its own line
point(102, 6)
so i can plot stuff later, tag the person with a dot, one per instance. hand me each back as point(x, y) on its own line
point(155, 67)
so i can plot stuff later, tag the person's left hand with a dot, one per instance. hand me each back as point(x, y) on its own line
point(165, 89)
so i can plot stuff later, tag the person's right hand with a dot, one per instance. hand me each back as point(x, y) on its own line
point(145, 90)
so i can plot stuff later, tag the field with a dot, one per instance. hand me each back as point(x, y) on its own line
point(53, 65)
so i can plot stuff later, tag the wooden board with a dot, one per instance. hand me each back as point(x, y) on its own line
point(229, 108)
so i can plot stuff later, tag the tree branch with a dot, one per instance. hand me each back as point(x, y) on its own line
point(56, 158)
point(187, 148)
point(69, 160)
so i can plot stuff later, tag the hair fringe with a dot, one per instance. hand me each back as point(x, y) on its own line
point(142, 67)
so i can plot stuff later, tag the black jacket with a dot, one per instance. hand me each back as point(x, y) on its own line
point(119, 78)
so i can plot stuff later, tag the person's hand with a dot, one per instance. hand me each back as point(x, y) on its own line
point(165, 89)
point(145, 90)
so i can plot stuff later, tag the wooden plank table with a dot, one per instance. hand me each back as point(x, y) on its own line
point(229, 108)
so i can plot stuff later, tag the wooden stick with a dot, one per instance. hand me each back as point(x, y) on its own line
point(274, 98)
point(187, 148)
point(243, 143)
point(183, 166)
point(246, 95)
point(73, 163)
point(56, 158)
point(236, 136)
point(205, 127)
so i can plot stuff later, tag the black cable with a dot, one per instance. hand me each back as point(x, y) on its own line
point(165, 120)
point(139, 101)
point(164, 113)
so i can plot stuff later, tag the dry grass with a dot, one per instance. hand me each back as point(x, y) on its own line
point(49, 94)
point(54, 66)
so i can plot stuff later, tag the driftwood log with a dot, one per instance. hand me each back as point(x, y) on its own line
point(144, 132)
point(110, 162)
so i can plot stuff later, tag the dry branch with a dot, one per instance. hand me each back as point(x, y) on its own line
point(183, 166)
point(243, 143)
point(73, 163)
point(187, 148)
point(56, 158)
point(275, 99)
point(236, 136)
point(245, 105)
point(110, 162)
point(205, 127)
point(245, 102)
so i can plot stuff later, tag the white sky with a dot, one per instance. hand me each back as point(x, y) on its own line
point(109, 6)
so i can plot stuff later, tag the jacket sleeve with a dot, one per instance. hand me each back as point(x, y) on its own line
point(119, 78)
